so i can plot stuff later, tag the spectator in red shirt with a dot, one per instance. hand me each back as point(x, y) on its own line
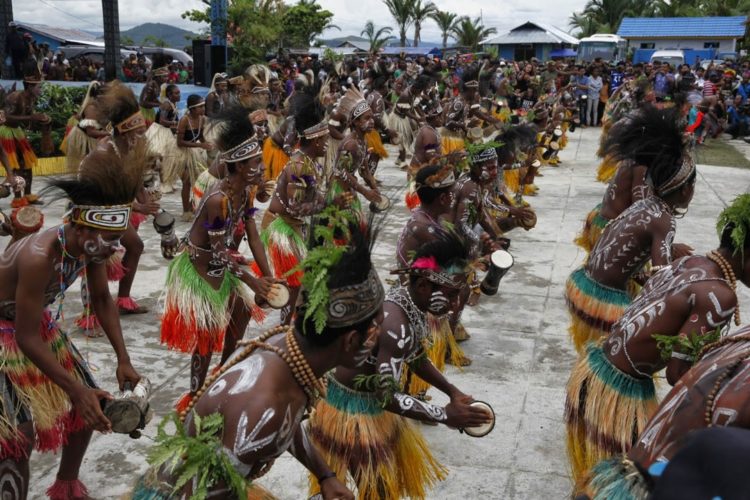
point(710, 86)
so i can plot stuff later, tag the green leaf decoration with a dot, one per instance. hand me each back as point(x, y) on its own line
point(689, 345)
point(737, 214)
point(198, 458)
point(386, 385)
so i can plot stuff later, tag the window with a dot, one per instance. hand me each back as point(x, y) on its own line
point(523, 52)
point(648, 46)
point(711, 45)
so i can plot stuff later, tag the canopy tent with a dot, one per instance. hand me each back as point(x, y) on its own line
point(410, 51)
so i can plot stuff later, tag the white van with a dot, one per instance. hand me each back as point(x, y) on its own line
point(674, 57)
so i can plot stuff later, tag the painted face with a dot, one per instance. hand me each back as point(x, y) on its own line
point(100, 247)
point(252, 171)
point(443, 299)
point(321, 146)
point(365, 123)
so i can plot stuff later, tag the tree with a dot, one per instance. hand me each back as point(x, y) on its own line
point(420, 13)
point(585, 25)
point(470, 32)
point(126, 40)
point(154, 41)
point(447, 22)
point(303, 22)
point(376, 38)
point(401, 10)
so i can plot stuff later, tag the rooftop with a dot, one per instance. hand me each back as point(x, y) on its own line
point(59, 34)
point(533, 32)
point(692, 27)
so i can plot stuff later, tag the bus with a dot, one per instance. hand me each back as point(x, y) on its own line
point(608, 47)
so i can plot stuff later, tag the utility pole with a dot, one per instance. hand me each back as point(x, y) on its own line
point(112, 62)
point(6, 16)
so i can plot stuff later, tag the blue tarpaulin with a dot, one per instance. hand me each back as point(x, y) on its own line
point(563, 53)
point(411, 51)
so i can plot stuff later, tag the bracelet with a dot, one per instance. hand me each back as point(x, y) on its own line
point(327, 475)
point(683, 357)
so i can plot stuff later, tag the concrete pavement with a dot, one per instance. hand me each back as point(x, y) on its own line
point(520, 347)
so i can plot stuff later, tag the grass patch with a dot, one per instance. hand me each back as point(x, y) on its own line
point(721, 153)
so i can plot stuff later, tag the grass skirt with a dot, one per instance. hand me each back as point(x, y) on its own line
point(331, 152)
point(593, 308)
point(149, 487)
point(451, 140)
point(375, 143)
point(274, 158)
point(383, 452)
point(202, 185)
point(72, 122)
point(614, 479)
point(26, 393)
point(439, 345)
point(606, 170)
point(78, 145)
point(403, 126)
point(14, 142)
point(186, 160)
point(196, 315)
point(286, 248)
point(592, 229)
point(162, 141)
point(512, 179)
point(605, 410)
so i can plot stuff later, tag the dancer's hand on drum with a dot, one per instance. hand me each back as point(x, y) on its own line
point(333, 489)
point(126, 373)
point(148, 207)
point(681, 250)
point(87, 403)
point(372, 195)
point(459, 413)
point(261, 286)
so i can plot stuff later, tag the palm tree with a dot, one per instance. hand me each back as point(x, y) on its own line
point(375, 38)
point(419, 13)
point(586, 25)
point(470, 32)
point(447, 22)
point(401, 10)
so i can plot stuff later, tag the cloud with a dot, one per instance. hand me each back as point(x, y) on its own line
point(349, 15)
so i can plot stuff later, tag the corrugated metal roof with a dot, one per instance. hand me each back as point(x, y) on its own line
point(532, 32)
point(682, 27)
point(59, 34)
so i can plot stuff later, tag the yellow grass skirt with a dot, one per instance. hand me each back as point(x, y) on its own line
point(384, 454)
point(440, 344)
point(592, 229)
point(78, 145)
point(274, 158)
point(593, 308)
point(451, 140)
point(605, 411)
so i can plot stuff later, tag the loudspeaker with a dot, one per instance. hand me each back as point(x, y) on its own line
point(218, 58)
point(201, 62)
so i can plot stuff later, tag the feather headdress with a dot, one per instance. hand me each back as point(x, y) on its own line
point(353, 104)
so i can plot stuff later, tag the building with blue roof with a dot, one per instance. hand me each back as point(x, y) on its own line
point(719, 34)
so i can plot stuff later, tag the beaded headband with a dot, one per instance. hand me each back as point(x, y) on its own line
point(353, 304)
point(197, 105)
point(134, 121)
point(163, 71)
point(244, 151)
point(258, 116)
point(260, 90)
point(473, 84)
point(360, 109)
point(428, 267)
point(686, 170)
point(107, 217)
point(319, 130)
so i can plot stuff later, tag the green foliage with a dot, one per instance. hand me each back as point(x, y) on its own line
point(377, 38)
point(470, 32)
point(690, 345)
point(401, 10)
point(332, 225)
point(198, 457)
point(447, 22)
point(332, 56)
point(386, 385)
point(737, 214)
point(303, 22)
point(59, 103)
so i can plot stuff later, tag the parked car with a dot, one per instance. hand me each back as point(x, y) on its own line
point(175, 54)
point(706, 63)
point(675, 58)
point(94, 52)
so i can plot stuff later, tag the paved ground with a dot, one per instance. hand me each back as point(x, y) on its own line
point(522, 355)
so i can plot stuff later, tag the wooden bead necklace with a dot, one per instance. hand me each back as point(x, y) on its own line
point(730, 370)
point(728, 272)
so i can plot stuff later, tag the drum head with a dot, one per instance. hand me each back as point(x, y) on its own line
point(28, 219)
point(163, 221)
point(554, 145)
point(382, 205)
point(502, 259)
point(282, 296)
point(124, 414)
point(484, 429)
point(536, 164)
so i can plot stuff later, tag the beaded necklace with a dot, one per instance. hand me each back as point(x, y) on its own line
point(728, 272)
point(294, 358)
point(69, 266)
point(400, 296)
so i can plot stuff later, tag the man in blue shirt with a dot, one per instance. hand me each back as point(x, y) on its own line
point(616, 77)
point(579, 84)
point(743, 89)
point(739, 121)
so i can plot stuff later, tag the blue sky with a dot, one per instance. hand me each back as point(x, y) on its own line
point(504, 14)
